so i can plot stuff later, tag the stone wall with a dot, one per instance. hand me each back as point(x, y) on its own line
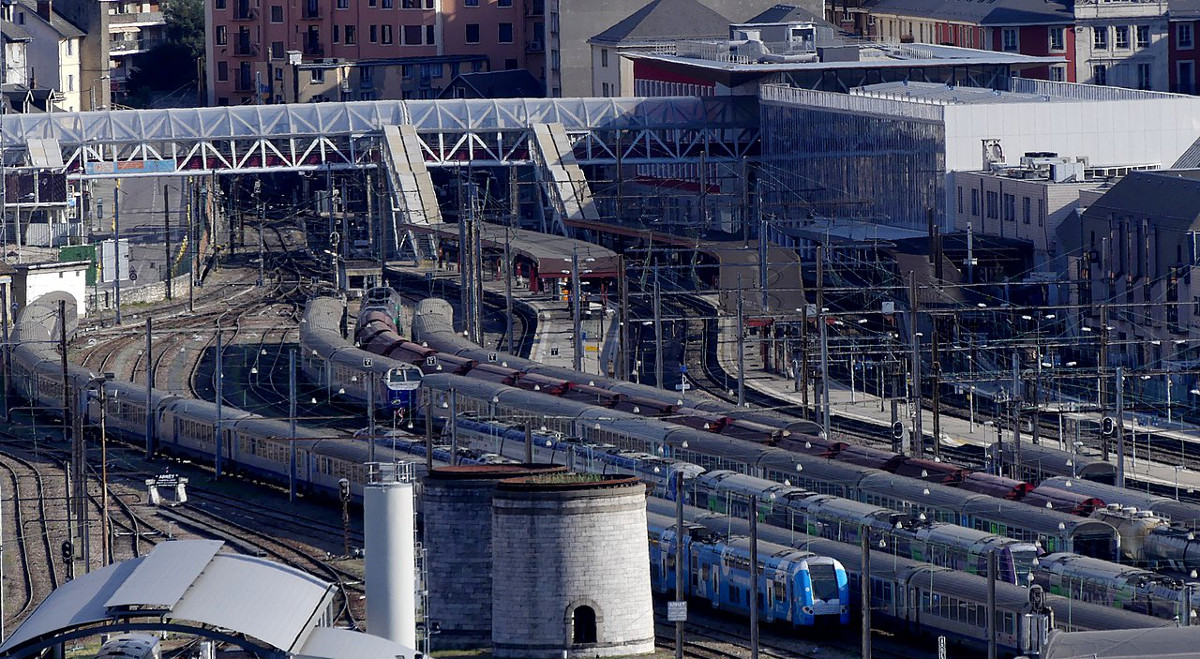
point(558, 550)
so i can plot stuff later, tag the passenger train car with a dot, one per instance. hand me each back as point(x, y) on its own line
point(248, 443)
point(329, 360)
point(921, 602)
point(798, 588)
point(1052, 530)
point(1122, 586)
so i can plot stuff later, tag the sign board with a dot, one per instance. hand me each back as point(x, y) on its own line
point(676, 611)
point(166, 480)
point(367, 362)
point(492, 357)
point(114, 260)
point(431, 361)
point(129, 167)
point(941, 647)
point(683, 386)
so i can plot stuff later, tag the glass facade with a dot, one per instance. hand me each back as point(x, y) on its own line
point(858, 164)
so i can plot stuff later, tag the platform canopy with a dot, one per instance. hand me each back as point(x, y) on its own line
point(188, 586)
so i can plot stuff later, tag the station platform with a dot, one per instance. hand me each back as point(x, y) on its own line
point(847, 404)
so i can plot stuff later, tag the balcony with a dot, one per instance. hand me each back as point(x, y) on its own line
point(138, 18)
point(245, 49)
point(132, 46)
point(314, 48)
point(311, 11)
point(242, 13)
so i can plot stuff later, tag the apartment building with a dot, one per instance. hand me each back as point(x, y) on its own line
point(1184, 19)
point(1105, 42)
point(134, 27)
point(305, 50)
point(53, 56)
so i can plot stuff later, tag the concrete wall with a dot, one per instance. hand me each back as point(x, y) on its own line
point(1136, 131)
point(150, 293)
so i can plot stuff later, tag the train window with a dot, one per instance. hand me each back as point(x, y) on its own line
point(733, 594)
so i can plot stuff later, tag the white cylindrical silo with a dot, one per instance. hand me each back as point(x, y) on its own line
point(389, 526)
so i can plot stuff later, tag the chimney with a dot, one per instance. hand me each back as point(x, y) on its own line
point(43, 9)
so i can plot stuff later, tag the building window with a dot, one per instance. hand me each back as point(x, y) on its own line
point(470, 3)
point(1058, 73)
point(366, 76)
point(505, 33)
point(1100, 37)
point(221, 35)
point(993, 204)
point(279, 73)
point(1010, 208)
point(70, 47)
point(410, 4)
point(337, 34)
point(604, 57)
point(1057, 40)
point(472, 33)
point(975, 203)
point(387, 4)
point(70, 82)
point(1142, 34)
point(1185, 72)
point(276, 50)
point(960, 204)
point(503, 3)
point(343, 4)
point(351, 37)
point(386, 34)
point(1009, 37)
point(222, 70)
point(276, 13)
point(1099, 74)
point(218, 4)
point(316, 75)
point(1041, 212)
point(1183, 36)
point(510, 64)
point(1026, 210)
point(1144, 81)
point(1122, 36)
point(604, 89)
point(430, 35)
point(412, 35)
point(373, 33)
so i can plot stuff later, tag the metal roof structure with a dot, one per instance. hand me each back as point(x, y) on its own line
point(188, 586)
point(1123, 643)
point(452, 132)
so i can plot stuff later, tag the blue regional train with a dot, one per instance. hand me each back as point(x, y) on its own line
point(794, 587)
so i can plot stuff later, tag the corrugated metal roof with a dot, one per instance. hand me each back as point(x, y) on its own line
point(331, 643)
point(162, 579)
point(272, 605)
point(267, 601)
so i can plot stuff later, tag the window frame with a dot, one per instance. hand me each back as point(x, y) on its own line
point(1099, 37)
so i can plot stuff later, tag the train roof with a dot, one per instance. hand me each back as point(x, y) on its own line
point(264, 427)
point(434, 317)
point(747, 484)
point(1047, 459)
point(1169, 643)
point(205, 409)
point(920, 493)
point(1182, 513)
point(969, 586)
point(1094, 568)
point(816, 468)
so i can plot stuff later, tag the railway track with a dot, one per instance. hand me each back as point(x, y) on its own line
point(37, 575)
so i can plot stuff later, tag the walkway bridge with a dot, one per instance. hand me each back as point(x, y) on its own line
point(450, 132)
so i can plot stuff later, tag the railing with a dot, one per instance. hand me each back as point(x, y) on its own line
point(245, 49)
point(149, 17)
point(122, 46)
point(1080, 92)
point(245, 14)
point(861, 103)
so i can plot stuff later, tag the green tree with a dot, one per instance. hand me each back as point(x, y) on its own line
point(185, 24)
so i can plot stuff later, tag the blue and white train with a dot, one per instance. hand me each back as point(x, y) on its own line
point(795, 587)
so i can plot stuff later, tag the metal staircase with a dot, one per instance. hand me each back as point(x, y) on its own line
point(561, 177)
point(414, 202)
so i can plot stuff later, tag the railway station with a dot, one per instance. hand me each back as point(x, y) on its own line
point(413, 376)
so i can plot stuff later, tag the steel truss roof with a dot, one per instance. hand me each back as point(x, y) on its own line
point(337, 135)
